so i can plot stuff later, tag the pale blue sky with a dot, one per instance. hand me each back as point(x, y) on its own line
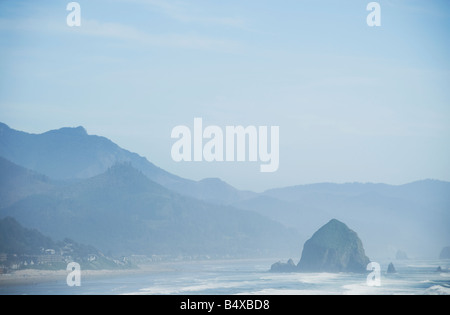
point(353, 103)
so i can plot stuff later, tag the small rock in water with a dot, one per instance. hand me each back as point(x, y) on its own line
point(391, 269)
point(284, 267)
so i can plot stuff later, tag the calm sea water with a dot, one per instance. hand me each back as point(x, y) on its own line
point(252, 277)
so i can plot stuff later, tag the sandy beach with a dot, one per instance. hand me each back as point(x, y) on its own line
point(32, 277)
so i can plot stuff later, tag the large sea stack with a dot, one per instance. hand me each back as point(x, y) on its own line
point(334, 248)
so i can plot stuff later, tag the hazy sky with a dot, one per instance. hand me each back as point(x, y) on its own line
point(353, 103)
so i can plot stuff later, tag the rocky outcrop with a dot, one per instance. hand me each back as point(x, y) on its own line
point(439, 269)
point(334, 248)
point(391, 269)
point(284, 267)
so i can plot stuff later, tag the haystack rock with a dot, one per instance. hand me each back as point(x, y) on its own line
point(334, 248)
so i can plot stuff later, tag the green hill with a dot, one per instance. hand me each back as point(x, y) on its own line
point(23, 248)
point(14, 239)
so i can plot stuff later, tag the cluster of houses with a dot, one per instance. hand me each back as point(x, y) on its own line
point(59, 258)
point(47, 258)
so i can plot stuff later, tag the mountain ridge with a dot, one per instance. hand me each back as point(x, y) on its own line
point(69, 153)
point(17, 182)
point(123, 212)
point(420, 208)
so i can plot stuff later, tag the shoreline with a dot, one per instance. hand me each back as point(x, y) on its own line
point(225, 277)
point(31, 277)
point(35, 277)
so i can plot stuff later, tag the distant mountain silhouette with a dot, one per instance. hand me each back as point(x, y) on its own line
point(17, 183)
point(70, 153)
point(123, 212)
point(414, 217)
point(212, 190)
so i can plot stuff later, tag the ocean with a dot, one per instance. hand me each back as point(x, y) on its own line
point(252, 277)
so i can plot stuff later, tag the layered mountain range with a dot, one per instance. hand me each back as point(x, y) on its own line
point(123, 212)
point(67, 183)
